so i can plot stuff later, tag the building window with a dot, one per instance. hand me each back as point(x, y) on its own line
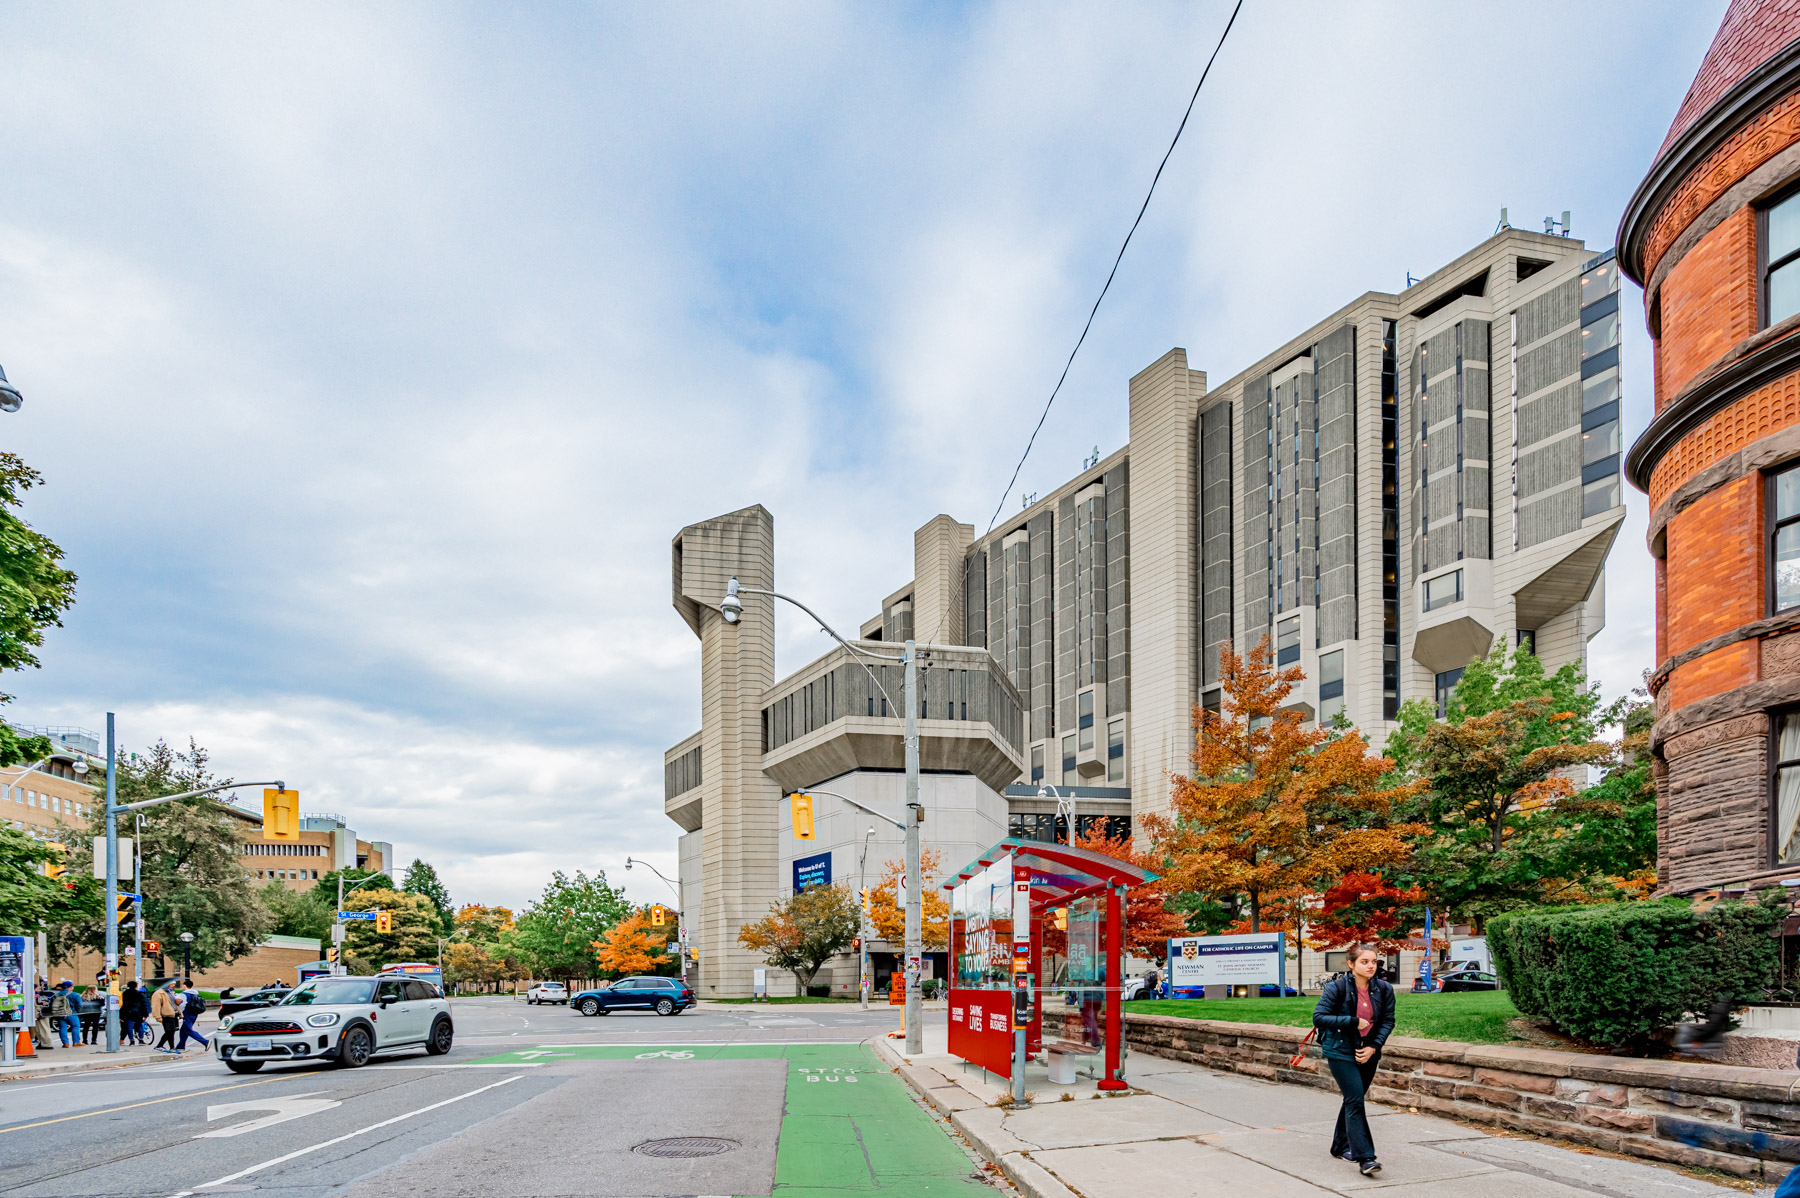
point(1446, 682)
point(1032, 827)
point(1787, 788)
point(1085, 720)
point(1526, 638)
point(1443, 590)
point(1784, 539)
point(1115, 751)
point(1069, 777)
point(1037, 763)
point(1331, 685)
point(1390, 524)
point(1780, 257)
point(1287, 641)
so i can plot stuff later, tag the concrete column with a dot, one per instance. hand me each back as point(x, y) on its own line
point(740, 806)
point(939, 549)
point(1165, 400)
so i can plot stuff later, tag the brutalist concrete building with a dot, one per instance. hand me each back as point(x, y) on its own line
point(1384, 496)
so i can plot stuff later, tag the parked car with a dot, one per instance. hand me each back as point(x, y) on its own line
point(551, 992)
point(1144, 987)
point(268, 996)
point(342, 1019)
point(1271, 990)
point(665, 996)
point(1468, 979)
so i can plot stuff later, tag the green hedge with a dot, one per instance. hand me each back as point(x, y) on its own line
point(1613, 973)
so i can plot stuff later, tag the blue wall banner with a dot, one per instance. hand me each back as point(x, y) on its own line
point(812, 871)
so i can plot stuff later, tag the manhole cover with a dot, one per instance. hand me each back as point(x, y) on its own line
point(684, 1147)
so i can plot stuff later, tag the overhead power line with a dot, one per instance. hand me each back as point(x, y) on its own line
point(1119, 257)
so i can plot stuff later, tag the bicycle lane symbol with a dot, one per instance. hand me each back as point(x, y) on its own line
point(673, 1055)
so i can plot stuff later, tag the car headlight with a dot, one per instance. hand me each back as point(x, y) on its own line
point(225, 1023)
point(322, 1019)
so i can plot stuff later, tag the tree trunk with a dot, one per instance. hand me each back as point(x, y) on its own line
point(1255, 911)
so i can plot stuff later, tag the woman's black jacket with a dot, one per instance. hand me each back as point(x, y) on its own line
point(1335, 1017)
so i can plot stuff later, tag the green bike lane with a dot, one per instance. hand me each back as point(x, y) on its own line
point(848, 1124)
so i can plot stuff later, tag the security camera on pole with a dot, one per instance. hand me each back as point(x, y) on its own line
point(732, 609)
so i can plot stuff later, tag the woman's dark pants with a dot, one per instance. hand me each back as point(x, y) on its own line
point(1352, 1134)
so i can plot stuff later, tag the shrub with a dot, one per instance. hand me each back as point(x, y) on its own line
point(1614, 972)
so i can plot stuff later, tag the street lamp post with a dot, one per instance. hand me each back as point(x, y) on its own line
point(862, 919)
point(680, 919)
point(732, 609)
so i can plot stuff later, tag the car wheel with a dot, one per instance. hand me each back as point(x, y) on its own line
point(356, 1048)
point(665, 1006)
point(589, 1006)
point(243, 1066)
point(441, 1035)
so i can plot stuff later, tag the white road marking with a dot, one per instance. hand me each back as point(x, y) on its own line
point(466, 1065)
point(281, 1109)
point(361, 1131)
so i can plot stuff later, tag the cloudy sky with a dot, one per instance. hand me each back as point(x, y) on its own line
point(373, 354)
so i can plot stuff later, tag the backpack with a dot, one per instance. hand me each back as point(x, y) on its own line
point(195, 1004)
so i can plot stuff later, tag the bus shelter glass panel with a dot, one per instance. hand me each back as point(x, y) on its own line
point(1085, 988)
point(981, 942)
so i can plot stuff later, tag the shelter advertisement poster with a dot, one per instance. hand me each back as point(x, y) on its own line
point(1196, 962)
point(17, 1004)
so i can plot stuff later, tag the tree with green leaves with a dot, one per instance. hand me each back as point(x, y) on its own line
point(35, 589)
point(554, 936)
point(412, 935)
point(804, 931)
point(19, 748)
point(299, 912)
point(421, 879)
point(193, 877)
point(30, 900)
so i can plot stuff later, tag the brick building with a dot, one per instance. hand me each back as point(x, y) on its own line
point(1713, 236)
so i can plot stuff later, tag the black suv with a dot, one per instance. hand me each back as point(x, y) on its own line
point(665, 996)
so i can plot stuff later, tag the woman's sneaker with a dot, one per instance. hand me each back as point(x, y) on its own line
point(1346, 1154)
point(1371, 1168)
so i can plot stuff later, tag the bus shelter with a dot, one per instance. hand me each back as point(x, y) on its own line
point(999, 905)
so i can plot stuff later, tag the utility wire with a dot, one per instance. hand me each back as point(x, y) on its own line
point(1004, 495)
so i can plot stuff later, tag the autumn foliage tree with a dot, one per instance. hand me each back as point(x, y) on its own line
point(888, 914)
point(632, 946)
point(1148, 922)
point(803, 932)
point(1363, 907)
point(1275, 810)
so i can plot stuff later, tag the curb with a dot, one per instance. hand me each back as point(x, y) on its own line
point(1031, 1178)
point(52, 1068)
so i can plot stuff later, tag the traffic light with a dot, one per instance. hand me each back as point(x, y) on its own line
point(331, 955)
point(125, 905)
point(803, 815)
point(1062, 919)
point(152, 948)
point(55, 869)
point(281, 815)
point(657, 918)
point(384, 921)
point(856, 945)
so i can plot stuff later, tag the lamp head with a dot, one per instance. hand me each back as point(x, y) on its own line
point(10, 399)
point(628, 864)
point(81, 767)
point(187, 937)
point(731, 607)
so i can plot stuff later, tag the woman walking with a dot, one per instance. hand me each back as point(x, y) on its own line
point(164, 1008)
point(1355, 1015)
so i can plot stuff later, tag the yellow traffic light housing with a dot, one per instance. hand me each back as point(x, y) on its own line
point(281, 815)
point(803, 815)
point(657, 918)
point(1062, 919)
point(56, 869)
point(126, 902)
point(384, 921)
point(331, 955)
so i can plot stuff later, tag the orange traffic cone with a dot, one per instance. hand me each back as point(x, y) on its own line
point(25, 1047)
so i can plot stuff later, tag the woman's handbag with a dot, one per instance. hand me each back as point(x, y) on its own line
point(1294, 1061)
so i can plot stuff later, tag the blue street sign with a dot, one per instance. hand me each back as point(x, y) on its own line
point(357, 914)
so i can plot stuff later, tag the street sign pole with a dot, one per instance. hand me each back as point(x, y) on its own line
point(914, 1014)
point(111, 997)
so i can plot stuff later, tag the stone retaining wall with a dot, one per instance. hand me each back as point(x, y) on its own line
point(1741, 1121)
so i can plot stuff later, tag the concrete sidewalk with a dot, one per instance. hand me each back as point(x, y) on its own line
point(82, 1058)
point(1181, 1125)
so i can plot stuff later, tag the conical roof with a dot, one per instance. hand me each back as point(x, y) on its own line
point(1750, 34)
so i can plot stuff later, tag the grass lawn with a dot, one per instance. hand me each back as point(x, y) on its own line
point(775, 1001)
point(1472, 1018)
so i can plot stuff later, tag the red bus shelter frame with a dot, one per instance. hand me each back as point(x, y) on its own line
point(1058, 875)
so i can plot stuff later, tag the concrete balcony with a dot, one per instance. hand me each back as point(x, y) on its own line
point(829, 718)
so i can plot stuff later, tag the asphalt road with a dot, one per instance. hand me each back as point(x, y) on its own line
point(530, 1101)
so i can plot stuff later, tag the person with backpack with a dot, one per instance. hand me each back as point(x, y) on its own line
point(192, 1005)
point(41, 1032)
point(1355, 1016)
point(134, 1009)
point(63, 1013)
point(165, 1010)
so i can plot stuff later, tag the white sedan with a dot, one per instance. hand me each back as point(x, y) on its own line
point(544, 992)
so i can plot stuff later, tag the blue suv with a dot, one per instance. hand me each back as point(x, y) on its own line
point(665, 996)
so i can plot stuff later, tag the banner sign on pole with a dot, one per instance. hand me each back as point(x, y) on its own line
point(812, 871)
point(1196, 962)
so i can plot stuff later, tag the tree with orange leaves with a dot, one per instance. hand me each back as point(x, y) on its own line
point(1148, 923)
point(632, 946)
point(1363, 908)
point(888, 914)
point(1275, 810)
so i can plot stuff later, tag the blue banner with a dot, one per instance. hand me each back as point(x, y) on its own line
point(812, 871)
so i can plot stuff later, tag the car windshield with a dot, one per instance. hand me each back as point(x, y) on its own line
point(331, 990)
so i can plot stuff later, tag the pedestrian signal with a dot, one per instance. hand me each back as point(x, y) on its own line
point(281, 815)
point(384, 921)
point(856, 944)
point(803, 815)
point(152, 947)
point(657, 918)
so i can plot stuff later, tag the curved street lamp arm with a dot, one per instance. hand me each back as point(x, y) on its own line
point(630, 861)
point(880, 815)
point(853, 650)
point(204, 790)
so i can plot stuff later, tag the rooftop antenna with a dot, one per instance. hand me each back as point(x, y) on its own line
point(1565, 222)
point(1503, 222)
point(1409, 279)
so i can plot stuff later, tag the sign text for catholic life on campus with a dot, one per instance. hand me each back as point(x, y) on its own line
point(1197, 961)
